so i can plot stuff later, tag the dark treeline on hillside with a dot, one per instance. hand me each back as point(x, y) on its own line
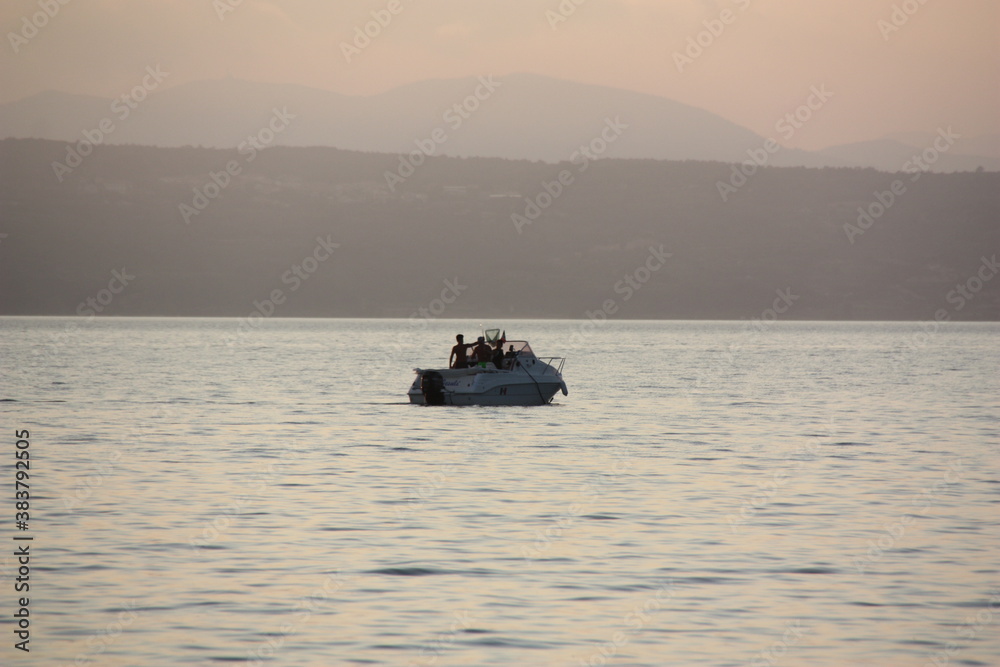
point(207, 232)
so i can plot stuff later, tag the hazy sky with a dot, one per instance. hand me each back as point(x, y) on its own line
point(889, 70)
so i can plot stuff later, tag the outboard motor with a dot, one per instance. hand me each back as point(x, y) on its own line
point(432, 387)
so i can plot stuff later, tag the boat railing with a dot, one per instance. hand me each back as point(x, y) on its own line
point(556, 364)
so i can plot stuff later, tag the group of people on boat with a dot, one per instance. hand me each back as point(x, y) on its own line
point(481, 353)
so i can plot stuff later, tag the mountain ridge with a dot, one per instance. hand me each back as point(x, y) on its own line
point(522, 116)
point(208, 232)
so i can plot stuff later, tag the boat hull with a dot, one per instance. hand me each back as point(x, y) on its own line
point(477, 386)
point(516, 394)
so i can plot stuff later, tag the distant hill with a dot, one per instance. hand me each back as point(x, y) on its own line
point(986, 145)
point(518, 116)
point(889, 155)
point(783, 231)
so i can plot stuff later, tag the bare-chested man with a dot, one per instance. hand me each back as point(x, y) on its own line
point(459, 353)
point(482, 351)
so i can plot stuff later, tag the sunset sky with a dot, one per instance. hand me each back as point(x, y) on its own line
point(888, 70)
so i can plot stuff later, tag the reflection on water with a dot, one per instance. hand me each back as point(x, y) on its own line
point(821, 494)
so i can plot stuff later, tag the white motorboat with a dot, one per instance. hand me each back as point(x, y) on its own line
point(525, 379)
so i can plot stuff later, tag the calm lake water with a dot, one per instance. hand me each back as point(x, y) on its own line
point(708, 494)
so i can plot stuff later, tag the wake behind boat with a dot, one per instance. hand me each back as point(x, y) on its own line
point(517, 377)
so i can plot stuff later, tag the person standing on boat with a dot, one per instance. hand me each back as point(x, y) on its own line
point(498, 355)
point(459, 353)
point(482, 351)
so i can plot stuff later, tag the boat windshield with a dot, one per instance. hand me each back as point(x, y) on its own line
point(521, 347)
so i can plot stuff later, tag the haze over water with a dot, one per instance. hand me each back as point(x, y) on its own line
point(707, 494)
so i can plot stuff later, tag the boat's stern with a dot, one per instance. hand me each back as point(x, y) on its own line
point(416, 396)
